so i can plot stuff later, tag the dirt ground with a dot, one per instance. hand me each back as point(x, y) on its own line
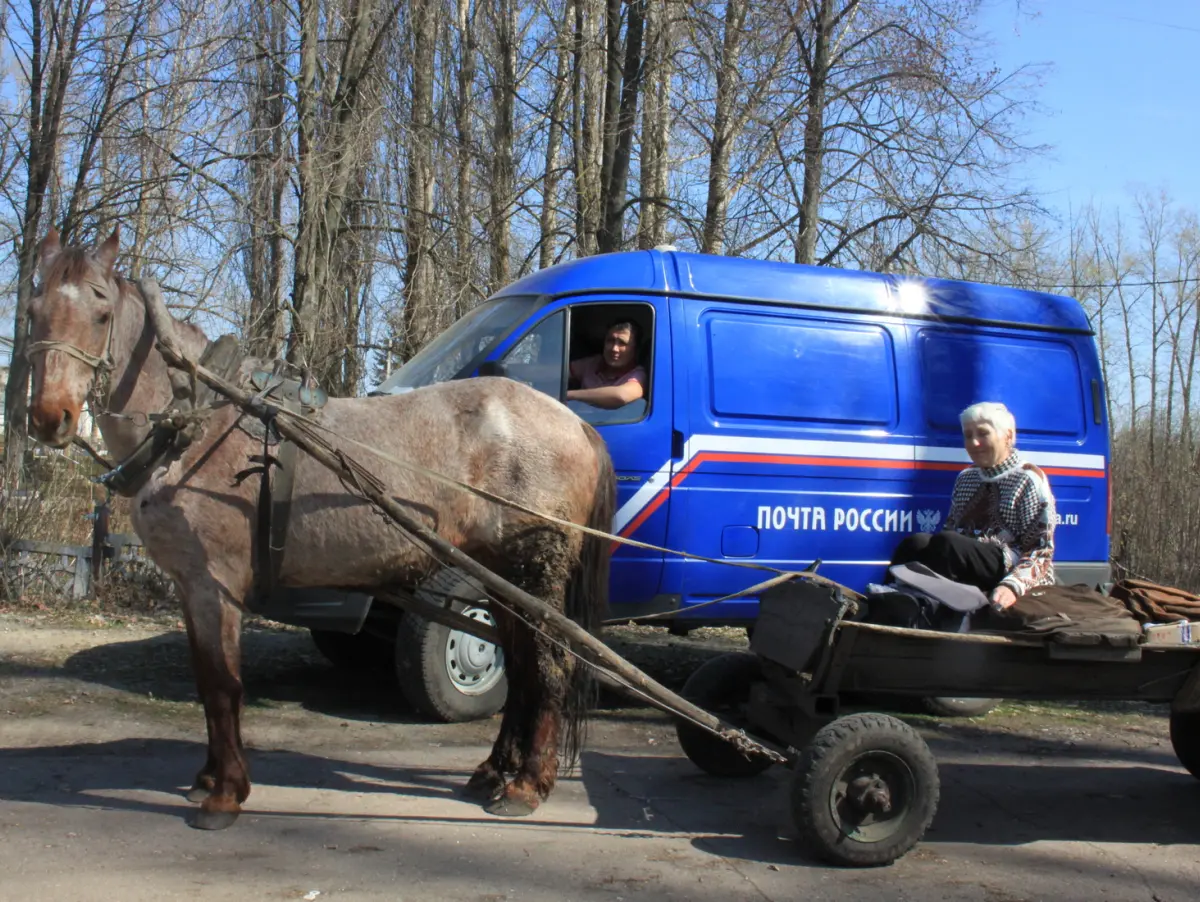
point(356, 799)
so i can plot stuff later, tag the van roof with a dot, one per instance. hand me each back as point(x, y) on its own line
point(667, 272)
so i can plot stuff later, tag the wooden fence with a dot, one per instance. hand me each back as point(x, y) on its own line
point(72, 572)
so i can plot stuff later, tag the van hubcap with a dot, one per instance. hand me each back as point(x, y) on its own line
point(474, 665)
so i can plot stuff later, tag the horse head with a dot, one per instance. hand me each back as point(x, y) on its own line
point(71, 328)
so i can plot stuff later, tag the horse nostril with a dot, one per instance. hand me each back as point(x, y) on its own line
point(67, 423)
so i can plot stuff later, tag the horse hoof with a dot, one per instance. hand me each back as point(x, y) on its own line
point(510, 807)
point(482, 789)
point(213, 820)
point(197, 794)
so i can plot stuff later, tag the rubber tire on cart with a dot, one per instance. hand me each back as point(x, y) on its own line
point(949, 706)
point(851, 769)
point(722, 687)
point(1185, 739)
point(446, 674)
point(354, 653)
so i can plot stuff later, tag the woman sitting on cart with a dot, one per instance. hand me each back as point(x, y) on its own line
point(999, 534)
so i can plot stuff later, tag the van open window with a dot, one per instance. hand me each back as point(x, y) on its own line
point(611, 347)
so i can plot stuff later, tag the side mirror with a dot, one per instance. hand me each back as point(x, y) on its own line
point(493, 368)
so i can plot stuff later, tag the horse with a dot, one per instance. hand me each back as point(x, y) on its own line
point(91, 337)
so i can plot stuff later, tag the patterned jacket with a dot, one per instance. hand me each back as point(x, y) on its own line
point(1011, 506)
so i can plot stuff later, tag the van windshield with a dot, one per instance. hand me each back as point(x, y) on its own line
point(445, 356)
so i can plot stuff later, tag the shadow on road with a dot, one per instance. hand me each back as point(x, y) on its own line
point(284, 667)
point(982, 803)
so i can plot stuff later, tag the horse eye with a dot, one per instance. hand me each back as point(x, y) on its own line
point(103, 318)
point(98, 293)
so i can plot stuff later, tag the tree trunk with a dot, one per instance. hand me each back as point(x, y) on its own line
point(612, 101)
point(717, 209)
point(585, 106)
point(304, 275)
point(418, 316)
point(499, 231)
point(656, 126)
point(817, 63)
point(464, 110)
point(266, 182)
point(548, 223)
point(612, 231)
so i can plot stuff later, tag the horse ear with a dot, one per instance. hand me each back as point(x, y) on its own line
point(51, 248)
point(107, 252)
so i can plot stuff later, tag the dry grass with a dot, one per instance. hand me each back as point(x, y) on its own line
point(1156, 507)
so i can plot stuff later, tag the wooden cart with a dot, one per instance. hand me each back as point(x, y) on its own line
point(865, 786)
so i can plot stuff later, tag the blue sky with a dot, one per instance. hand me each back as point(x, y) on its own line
point(1120, 100)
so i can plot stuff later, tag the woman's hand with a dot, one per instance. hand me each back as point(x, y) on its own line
point(1003, 597)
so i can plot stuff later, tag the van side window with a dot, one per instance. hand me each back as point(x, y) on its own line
point(1037, 378)
point(537, 359)
point(784, 368)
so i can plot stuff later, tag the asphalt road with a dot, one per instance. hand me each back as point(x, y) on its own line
point(352, 800)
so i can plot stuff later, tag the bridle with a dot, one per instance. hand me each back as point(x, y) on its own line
point(102, 366)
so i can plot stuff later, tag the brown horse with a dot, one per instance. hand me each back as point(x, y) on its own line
point(90, 335)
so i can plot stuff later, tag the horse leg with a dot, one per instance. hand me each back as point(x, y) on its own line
point(542, 679)
point(488, 779)
point(546, 682)
point(214, 634)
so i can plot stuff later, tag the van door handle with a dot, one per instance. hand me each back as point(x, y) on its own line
point(676, 444)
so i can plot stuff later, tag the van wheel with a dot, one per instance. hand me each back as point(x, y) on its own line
point(947, 706)
point(444, 673)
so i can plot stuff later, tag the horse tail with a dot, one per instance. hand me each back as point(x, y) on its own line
point(587, 595)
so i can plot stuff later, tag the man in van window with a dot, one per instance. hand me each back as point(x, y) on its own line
point(614, 378)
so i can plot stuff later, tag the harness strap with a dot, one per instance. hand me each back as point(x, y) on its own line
point(281, 508)
point(96, 363)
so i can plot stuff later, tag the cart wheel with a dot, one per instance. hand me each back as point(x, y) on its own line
point(1185, 739)
point(864, 791)
point(945, 706)
point(721, 686)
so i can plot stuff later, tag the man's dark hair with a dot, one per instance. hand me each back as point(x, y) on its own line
point(635, 333)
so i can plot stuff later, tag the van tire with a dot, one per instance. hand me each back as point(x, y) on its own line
point(435, 677)
point(950, 706)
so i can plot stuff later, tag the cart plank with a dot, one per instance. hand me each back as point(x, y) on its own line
point(927, 663)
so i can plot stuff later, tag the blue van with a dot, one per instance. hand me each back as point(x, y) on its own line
point(795, 413)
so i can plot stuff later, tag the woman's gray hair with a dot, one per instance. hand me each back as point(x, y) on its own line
point(993, 413)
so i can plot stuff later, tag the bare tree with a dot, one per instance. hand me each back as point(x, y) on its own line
point(625, 72)
point(656, 125)
point(504, 91)
point(338, 110)
point(418, 321)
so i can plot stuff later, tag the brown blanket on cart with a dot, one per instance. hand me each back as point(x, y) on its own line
point(1152, 603)
point(1072, 615)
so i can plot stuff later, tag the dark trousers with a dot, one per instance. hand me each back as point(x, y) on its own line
point(956, 557)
